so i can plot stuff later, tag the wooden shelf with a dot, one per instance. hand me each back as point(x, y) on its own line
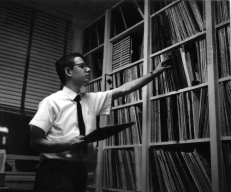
point(121, 146)
point(138, 28)
point(224, 79)
point(193, 141)
point(127, 105)
point(226, 138)
point(179, 91)
point(179, 44)
point(94, 80)
point(115, 190)
point(220, 25)
point(126, 67)
point(93, 50)
point(166, 7)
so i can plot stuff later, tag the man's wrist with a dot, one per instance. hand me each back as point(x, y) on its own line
point(152, 75)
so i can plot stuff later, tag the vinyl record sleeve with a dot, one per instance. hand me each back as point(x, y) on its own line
point(106, 132)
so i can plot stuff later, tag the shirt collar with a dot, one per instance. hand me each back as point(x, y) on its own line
point(71, 94)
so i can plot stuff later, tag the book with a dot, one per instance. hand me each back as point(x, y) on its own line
point(122, 168)
point(130, 170)
point(189, 115)
point(223, 53)
point(158, 122)
point(226, 155)
point(172, 79)
point(136, 133)
point(159, 175)
point(109, 168)
point(195, 98)
point(197, 171)
point(117, 19)
point(164, 172)
point(163, 122)
point(187, 66)
point(138, 166)
point(203, 166)
point(138, 8)
point(225, 109)
point(177, 176)
point(222, 11)
point(138, 117)
point(184, 172)
point(179, 170)
point(198, 16)
point(192, 170)
point(121, 11)
point(97, 34)
point(131, 135)
point(105, 169)
point(203, 113)
point(119, 169)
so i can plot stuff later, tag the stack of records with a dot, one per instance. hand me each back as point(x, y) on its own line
point(121, 53)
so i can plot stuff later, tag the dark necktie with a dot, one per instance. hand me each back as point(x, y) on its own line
point(80, 115)
point(80, 119)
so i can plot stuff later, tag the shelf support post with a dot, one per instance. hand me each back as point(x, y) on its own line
point(146, 100)
point(103, 119)
point(213, 97)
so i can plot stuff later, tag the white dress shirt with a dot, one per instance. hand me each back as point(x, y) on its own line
point(57, 116)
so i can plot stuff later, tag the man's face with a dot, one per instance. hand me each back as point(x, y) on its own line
point(80, 72)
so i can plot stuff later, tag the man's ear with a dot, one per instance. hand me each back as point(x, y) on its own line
point(68, 71)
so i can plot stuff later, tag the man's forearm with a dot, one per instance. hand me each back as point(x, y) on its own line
point(46, 146)
point(40, 143)
point(142, 81)
point(137, 83)
point(133, 85)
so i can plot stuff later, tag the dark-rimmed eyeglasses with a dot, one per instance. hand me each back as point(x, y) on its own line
point(82, 65)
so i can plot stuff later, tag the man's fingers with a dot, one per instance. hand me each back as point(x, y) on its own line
point(165, 64)
point(167, 57)
point(81, 137)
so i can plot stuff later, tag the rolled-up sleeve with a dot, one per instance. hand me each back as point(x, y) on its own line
point(102, 102)
point(44, 116)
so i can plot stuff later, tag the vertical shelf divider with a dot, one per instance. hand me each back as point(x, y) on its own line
point(215, 143)
point(146, 91)
point(103, 119)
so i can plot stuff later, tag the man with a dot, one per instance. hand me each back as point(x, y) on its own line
point(55, 130)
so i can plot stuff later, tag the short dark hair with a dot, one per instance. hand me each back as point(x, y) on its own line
point(66, 61)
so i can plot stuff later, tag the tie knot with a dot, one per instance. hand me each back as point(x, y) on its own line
point(77, 98)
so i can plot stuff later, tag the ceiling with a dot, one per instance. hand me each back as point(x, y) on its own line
point(80, 9)
point(83, 11)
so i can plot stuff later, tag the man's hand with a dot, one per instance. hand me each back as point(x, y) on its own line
point(40, 143)
point(162, 66)
point(77, 142)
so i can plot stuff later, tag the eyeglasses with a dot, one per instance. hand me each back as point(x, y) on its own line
point(82, 65)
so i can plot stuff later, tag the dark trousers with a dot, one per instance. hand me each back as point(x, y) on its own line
point(61, 176)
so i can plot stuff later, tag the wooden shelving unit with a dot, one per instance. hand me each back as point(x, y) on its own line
point(210, 148)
